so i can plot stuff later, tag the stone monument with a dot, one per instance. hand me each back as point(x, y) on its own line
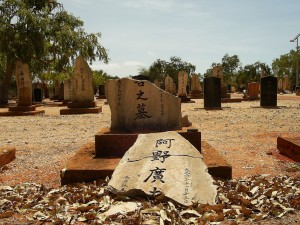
point(268, 91)
point(217, 71)
point(253, 91)
point(169, 84)
point(67, 90)
point(82, 98)
point(24, 88)
point(212, 92)
point(196, 88)
point(165, 162)
point(182, 83)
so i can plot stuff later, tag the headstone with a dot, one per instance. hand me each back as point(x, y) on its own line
point(268, 91)
point(169, 84)
point(196, 89)
point(182, 83)
point(212, 92)
point(24, 84)
point(61, 91)
point(168, 163)
point(157, 83)
point(286, 83)
point(253, 90)
point(280, 85)
point(68, 90)
point(101, 89)
point(217, 71)
point(56, 90)
point(37, 95)
point(140, 105)
point(82, 84)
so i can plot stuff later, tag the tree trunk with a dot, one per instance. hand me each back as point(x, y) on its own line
point(6, 80)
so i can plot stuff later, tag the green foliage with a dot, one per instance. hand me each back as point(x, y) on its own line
point(230, 65)
point(161, 68)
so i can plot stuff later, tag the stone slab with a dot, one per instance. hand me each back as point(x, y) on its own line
point(22, 108)
point(123, 141)
point(28, 113)
point(85, 167)
point(289, 147)
point(82, 104)
point(7, 154)
point(72, 111)
point(168, 163)
point(231, 100)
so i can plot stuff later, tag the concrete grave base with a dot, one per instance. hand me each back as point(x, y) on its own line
point(7, 154)
point(72, 111)
point(114, 144)
point(81, 104)
point(22, 111)
point(289, 147)
point(85, 167)
point(230, 100)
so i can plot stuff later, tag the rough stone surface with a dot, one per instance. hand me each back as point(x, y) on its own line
point(253, 90)
point(169, 84)
point(24, 84)
point(82, 84)
point(182, 83)
point(195, 84)
point(165, 162)
point(141, 106)
point(68, 89)
point(7, 154)
point(217, 71)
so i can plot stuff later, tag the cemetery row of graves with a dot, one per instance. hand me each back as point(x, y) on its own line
point(152, 150)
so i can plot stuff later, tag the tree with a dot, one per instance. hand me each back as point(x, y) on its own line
point(160, 68)
point(286, 65)
point(42, 34)
point(230, 65)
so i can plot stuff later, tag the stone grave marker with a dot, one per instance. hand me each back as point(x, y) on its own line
point(182, 84)
point(24, 84)
point(141, 106)
point(196, 88)
point(217, 71)
point(82, 84)
point(56, 90)
point(68, 90)
point(253, 90)
point(169, 84)
point(286, 83)
point(165, 162)
point(280, 85)
point(212, 92)
point(157, 83)
point(38, 95)
point(268, 91)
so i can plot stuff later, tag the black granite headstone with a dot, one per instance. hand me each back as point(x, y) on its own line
point(212, 92)
point(101, 90)
point(37, 95)
point(268, 91)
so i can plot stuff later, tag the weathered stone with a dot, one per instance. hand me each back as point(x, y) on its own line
point(280, 85)
point(286, 83)
point(212, 92)
point(68, 90)
point(24, 84)
point(141, 106)
point(195, 84)
point(7, 154)
point(268, 91)
point(169, 84)
point(165, 162)
point(182, 83)
point(253, 90)
point(157, 83)
point(217, 71)
point(82, 84)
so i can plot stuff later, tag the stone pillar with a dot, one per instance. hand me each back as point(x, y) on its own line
point(212, 92)
point(268, 91)
point(24, 84)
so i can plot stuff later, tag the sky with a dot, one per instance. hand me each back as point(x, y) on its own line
point(138, 32)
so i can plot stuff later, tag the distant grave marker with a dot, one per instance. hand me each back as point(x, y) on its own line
point(38, 95)
point(212, 92)
point(268, 91)
point(24, 84)
point(253, 91)
point(196, 88)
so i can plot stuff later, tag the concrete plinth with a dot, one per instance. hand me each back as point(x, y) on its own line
point(85, 167)
point(231, 100)
point(72, 111)
point(114, 144)
point(81, 104)
point(289, 147)
point(22, 111)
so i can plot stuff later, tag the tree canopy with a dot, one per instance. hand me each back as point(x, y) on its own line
point(44, 35)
